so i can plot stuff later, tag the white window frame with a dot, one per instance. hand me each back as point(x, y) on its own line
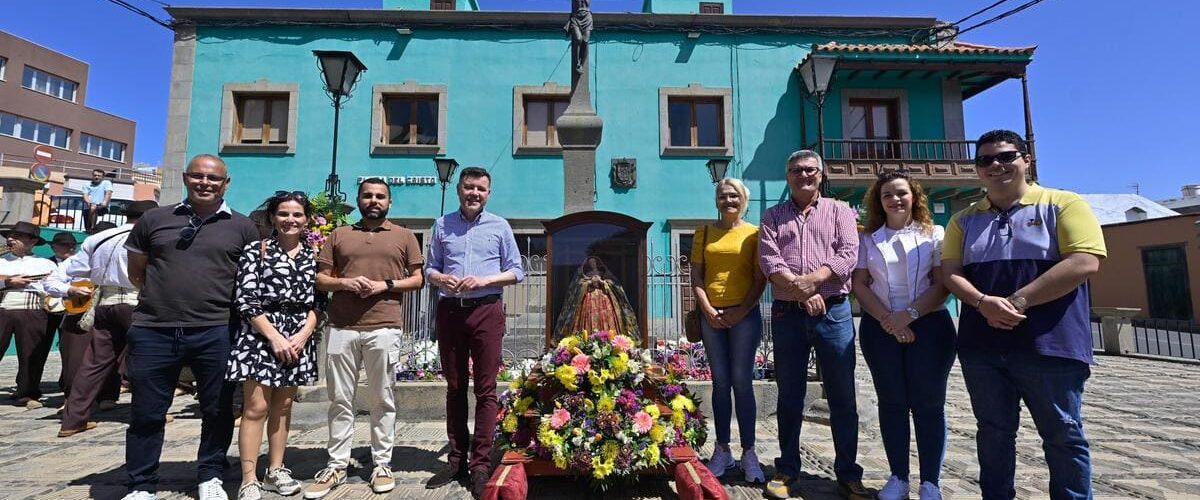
point(3, 67)
point(548, 90)
point(229, 116)
point(23, 122)
point(50, 78)
point(378, 114)
point(84, 139)
point(695, 91)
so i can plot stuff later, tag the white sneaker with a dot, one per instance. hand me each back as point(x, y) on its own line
point(212, 490)
point(250, 491)
point(280, 480)
point(721, 461)
point(751, 467)
point(930, 491)
point(895, 489)
point(140, 495)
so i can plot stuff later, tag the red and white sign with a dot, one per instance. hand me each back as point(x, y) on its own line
point(43, 154)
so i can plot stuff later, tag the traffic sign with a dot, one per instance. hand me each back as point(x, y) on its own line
point(43, 154)
point(39, 172)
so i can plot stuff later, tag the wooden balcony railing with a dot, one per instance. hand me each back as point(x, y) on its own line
point(898, 150)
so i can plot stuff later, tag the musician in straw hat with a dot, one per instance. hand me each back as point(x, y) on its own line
point(21, 312)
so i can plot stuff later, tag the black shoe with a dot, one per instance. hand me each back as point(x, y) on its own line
point(854, 490)
point(446, 476)
point(479, 480)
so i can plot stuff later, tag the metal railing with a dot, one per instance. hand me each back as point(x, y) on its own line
point(83, 170)
point(889, 149)
point(67, 212)
point(669, 297)
point(1167, 337)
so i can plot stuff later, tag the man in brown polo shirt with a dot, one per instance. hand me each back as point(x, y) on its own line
point(368, 266)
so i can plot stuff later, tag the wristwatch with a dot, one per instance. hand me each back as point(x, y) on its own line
point(913, 313)
point(1018, 302)
point(390, 284)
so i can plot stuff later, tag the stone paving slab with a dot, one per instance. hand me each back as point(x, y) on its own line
point(1140, 416)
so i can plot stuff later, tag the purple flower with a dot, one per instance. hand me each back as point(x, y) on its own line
point(671, 390)
point(562, 356)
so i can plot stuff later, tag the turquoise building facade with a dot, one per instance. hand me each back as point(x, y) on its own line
point(895, 102)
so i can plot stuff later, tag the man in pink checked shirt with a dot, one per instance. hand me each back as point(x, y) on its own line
point(808, 245)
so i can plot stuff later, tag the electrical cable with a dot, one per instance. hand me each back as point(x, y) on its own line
point(134, 9)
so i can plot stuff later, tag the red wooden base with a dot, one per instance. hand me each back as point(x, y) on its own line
point(534, 467)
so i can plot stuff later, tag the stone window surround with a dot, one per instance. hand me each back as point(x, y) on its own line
point(379, 147)
point(680, 227)
point(548, 89)
point(694, 90)
point(229, 116)
point(898, 95)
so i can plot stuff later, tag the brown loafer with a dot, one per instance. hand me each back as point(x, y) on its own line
point(62, 433)
point(854, 490)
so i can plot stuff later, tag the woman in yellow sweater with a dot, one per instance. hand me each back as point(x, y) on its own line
point(727, 284)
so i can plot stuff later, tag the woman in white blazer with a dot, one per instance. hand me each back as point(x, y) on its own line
point(906, 334)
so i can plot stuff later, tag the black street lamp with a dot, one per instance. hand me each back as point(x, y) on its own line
point(341, 71)
point(717, 168)
point(445, 170)
point(816, 72)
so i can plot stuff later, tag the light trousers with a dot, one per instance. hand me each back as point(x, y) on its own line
point(376, 352)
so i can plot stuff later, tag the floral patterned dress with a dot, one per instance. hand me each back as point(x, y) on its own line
point(283, 288)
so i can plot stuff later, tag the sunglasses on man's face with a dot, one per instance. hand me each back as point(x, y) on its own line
point(193, 227)
point(1004, 157)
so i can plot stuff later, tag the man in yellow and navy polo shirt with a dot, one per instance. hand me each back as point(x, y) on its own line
point(1019, 260)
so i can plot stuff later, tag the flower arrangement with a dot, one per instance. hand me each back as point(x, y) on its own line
point(599, 406)
point(327, 215)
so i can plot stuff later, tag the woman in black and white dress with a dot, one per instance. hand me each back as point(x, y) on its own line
point(274, 351)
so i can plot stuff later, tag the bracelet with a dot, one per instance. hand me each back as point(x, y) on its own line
point(979, 301)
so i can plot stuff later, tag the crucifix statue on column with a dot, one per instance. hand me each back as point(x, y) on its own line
point(579, 128)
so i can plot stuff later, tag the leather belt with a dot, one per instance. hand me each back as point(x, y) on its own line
point(470, 303)
point(831, 300)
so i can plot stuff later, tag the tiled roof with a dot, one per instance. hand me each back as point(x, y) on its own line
point(900, 48)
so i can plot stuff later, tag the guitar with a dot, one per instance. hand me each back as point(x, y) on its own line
point(71, 305)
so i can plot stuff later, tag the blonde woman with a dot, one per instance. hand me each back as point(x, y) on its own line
point(906, 334)
point(727, 284)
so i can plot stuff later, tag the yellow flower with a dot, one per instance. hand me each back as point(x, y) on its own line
point(522, 404)
point(510, 423)
point(681, 403)
point(652, 409)
point(547, 436)
point(569, 341)
point(596, 380)
point(609, 450)
point(605, 374)
point(588, 405)
point(560, 461)
point(620, 364)
point(657, 433)
point(653, 455)
point(606, 404)
point(601, 468)
point(566, 376)
point(514, 385)
point(678, 419)
point(577, 431)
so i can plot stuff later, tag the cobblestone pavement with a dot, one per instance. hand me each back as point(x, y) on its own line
point(1140, 418)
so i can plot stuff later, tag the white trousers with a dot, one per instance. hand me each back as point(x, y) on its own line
point(376, 352)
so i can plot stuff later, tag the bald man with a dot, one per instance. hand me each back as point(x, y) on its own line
point(183, 259)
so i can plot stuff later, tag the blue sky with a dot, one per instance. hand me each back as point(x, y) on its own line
point(1109, 84)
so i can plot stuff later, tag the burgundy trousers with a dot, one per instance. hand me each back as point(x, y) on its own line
point(475, 335)
point(33, 347)
point(97, 376)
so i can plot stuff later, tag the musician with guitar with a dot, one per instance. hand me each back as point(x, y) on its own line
point(97, 279)
point(21, 312)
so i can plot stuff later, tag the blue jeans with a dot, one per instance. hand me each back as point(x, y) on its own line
point(156, 356)
point(911, 379)
point(731, 354)
point(1052, 389)
point(831, 335)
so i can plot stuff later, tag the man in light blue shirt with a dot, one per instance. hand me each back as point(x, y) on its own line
point(95, 198)
point(472, 256)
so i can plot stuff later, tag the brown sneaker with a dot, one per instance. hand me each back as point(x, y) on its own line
point(62, 433)
point(854, 490)
point(30, 403)
point(382, 480)
point(324, 482)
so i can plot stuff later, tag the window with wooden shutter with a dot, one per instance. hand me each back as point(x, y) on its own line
point(261, 118)
point(696, 122)
point(410, 119)
point(712, 8)
point(441, 4)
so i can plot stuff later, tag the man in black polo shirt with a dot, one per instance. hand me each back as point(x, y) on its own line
point(184, 259)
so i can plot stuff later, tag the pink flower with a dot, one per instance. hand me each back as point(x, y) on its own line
point(582, 363)
point(560, 418)
point(642, 422)
point(623, 343)
point(320, 220)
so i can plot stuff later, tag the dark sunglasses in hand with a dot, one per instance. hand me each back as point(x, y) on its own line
point(189, 232)
point(1004, 157)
